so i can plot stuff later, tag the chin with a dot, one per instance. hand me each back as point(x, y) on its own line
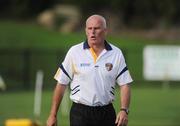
point(93, 41)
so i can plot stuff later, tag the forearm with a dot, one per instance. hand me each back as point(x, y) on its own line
point(57, 98)
point(122, 116)
point(125, 96)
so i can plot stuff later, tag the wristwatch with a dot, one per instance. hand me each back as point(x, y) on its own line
point(125, 110)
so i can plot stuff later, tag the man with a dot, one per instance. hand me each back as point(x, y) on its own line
point(92, 68)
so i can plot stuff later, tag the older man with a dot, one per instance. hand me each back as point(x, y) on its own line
point(92, 68)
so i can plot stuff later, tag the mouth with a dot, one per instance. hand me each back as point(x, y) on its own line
point(93, 37)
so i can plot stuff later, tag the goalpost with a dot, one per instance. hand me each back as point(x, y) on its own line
point(38, 93)
point(37, 105)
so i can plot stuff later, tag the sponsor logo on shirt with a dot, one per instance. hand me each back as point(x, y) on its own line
point(85, 64)
point(108, 66)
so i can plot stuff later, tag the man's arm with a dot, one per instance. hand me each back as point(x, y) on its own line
point(57, 98)
point(122, 117)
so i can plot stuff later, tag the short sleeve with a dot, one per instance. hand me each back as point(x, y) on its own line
point(123, 76)
point(64, 73)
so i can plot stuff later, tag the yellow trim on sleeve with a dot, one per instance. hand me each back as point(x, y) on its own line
point(93, 54)
point(75, 69)
point(57, 73)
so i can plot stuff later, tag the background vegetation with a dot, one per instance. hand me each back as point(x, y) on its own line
point(26, 47)
point(133, 13)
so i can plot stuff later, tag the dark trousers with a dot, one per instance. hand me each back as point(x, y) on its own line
point(82, 115)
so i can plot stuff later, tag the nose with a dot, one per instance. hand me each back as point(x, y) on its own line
point(93, 31)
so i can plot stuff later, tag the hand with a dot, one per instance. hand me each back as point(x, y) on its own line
point(122, 119)
point(52, 121)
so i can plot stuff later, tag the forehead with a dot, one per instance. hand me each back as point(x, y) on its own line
point(94, 21)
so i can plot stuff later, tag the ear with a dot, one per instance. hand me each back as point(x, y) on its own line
point(106, 31)
point(85, 31)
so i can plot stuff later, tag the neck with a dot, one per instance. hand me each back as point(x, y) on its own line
point(98, 48)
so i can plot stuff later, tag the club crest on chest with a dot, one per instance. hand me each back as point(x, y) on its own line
point(108, 66)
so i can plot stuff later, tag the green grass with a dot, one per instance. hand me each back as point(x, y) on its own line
point(23, 35)
point(15, 35)
point(149, 106)
point(48, 48)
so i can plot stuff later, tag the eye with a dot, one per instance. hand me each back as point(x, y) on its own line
point(89, 28)
point(97, 28)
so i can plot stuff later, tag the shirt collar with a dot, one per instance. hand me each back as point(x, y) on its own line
point(107, 45)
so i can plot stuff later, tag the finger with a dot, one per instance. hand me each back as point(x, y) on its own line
point(120, 122)
point(124, 122)
point(117, 119)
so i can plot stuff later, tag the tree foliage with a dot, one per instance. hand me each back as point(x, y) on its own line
point(136, 13)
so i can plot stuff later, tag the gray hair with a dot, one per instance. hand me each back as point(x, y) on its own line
point(99, 17)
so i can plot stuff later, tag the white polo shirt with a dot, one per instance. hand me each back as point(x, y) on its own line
point(92, 79)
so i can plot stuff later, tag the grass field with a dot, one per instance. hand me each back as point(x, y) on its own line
point(149, 107)
point(45, 49)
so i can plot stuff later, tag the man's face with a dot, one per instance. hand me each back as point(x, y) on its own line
point(95, 31)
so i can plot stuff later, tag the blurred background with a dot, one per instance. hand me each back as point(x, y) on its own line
point(36, 34)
